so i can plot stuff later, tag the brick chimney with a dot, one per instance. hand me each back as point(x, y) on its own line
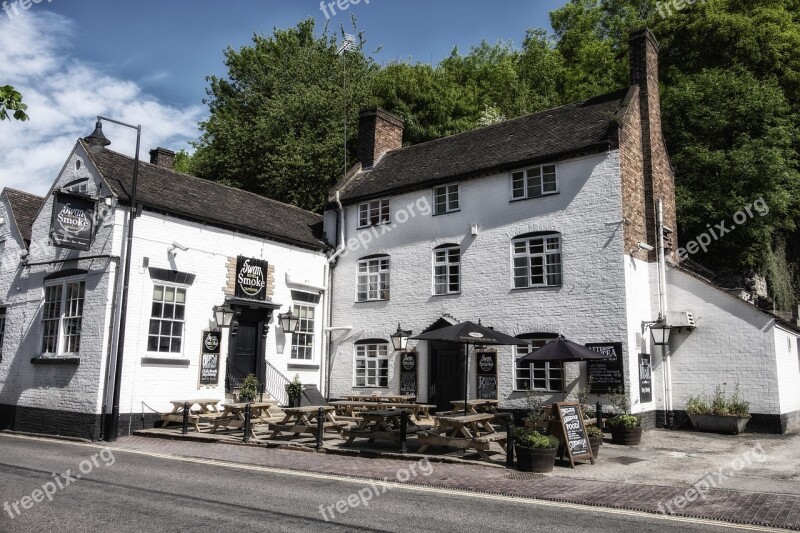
point(659, 181)
point(162, 157)
point(378, 132)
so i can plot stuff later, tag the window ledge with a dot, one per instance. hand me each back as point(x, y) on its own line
point(55, 360)
point(165, 361)
point(301, 364)
point(534, 197)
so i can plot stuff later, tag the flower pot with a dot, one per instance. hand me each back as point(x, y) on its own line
point(626, 436)
point(719, 424)
point(594, 444)
point(294, 401)
point(541, 460)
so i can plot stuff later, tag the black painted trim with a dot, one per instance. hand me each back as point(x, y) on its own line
point(68, 273)
point(171, 276)
point(164, 361)
point(55, 360)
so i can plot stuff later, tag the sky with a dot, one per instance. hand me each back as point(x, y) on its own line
point(146, 62)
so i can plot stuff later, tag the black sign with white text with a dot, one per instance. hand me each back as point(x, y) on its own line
point(487, 376)
point(645, 379)
point(408, 373)
point(251, 278)
point(606, 374)
point(209, 360)
point(73, 221)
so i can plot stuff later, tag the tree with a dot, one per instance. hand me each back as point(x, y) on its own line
point(11, 101)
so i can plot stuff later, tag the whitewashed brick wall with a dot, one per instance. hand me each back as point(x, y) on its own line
point(788, 365)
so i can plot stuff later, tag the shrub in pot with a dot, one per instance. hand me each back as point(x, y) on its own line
point(535, 452)
point(294, 390)
point(625, 429)
point(595, 435)
point(249, 389)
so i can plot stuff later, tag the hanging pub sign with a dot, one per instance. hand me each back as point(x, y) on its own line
point(251, 278)
point(72, 225)
point(569, 428)
point(606, 374)
point(487, 376)
point(408, 373)
point(645, 379)
point(209, 360)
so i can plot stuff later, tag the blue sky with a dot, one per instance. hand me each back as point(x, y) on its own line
point(146, 61)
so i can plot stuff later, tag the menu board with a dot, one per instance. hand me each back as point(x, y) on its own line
point(408, 373)
point(606, 374)
point(572, 431)
point(209, 359)
point(645, 379)
point(487, 376)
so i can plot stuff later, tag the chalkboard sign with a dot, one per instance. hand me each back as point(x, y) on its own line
point(408, 373)
point(209, 359)
point(645, 379)
point(487, 376)
point(606, 374)
point(571, 432)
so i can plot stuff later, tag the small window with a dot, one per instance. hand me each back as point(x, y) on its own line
point(372, 365)
point(534, 182)
point(2, 329)
point(447, 270)
point(62, 317)
point(167, 319)
point(537, 261)
point(445, 199)
point(373, 279)
point(373, 213)
point(537, 375)
point(303, 338)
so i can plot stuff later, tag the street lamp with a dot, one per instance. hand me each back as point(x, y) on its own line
point(289, 321)
point(97, 142)
point(660, 332)
point(223, 315)
point(400, 339)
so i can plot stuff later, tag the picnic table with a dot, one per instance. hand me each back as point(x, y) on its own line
point(464, 431)
point(354, 409)
point(476, 406)
point(233, 416)
point(385, 398)
point(380, 425)
point(206, 409)
point(299, 420)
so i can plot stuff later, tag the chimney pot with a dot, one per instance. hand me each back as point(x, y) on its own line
point(378, 132)
point(162, 157)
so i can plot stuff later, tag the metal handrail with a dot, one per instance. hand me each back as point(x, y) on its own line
point(275, 384)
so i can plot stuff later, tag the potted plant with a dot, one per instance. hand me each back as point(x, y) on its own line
point(294, 391)
point(595, 435)
point(538, 413)
point(720, 414)
point(625, 428)
point(249, 389)
point(535, 452)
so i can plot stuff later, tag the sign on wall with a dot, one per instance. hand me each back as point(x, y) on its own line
point(72, 225)
point(487, 376)
point(209, 360)
point(408, 373)
point(606, 374)
point(251, 278)
point(645, 379)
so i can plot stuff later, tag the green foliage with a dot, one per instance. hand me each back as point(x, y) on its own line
point(11, 102)
point(294, 388)
point(533, 439)
point(620, 401)
point(697, 405)
point(719, 404)
point(624, 421)
point(593, 431)
point(249, 388)
point(184, 162)
point(537, 409)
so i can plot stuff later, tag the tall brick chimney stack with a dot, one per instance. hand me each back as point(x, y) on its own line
point(162, 157)
point(378, 132)
point(659, 181)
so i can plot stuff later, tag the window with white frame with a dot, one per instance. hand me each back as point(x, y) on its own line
point(445, 199)
point(373, 212)
point(2, 329)
point(373, 279)
point(303, 338)
point(537, 260)
point(534, 182)
point(447, 270)
point(372, 364)
point(62, 317)
point(537, 375)
point(167, 319)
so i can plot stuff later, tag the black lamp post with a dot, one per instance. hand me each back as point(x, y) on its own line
point(289, 321)
point(223, 315)
point(400, 339)
point(97, 142)
point(660, 332)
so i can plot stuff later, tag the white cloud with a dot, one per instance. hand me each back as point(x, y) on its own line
point(64, 94)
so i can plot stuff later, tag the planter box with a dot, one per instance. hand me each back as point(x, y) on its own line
point(626, 436)
point(541, 460)
point(719, 424)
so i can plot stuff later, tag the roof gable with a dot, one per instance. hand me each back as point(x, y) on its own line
point(24, 208)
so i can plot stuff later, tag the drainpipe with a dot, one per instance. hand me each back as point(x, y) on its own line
point(330, 266)
point(662, 306)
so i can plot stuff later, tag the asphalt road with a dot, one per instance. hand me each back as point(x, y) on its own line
point(112, 490)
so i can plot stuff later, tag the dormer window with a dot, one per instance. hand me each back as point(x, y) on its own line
point(534, 182)
point(373, 213)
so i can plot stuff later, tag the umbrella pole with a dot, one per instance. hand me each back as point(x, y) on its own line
point(466, 375)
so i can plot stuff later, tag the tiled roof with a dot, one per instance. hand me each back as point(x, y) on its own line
point(183, 195)
point(24, 207)
point(579, 127)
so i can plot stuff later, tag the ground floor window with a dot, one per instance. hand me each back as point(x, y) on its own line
point(303, 337)
point(537, 375)
point(372, 365)
point(166, 319)
point(62, 317)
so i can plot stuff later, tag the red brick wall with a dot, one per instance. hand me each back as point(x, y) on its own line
point(379, 132)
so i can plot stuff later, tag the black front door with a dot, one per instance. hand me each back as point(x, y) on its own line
point(246, 348)
point(446, 374)
point(245, 351)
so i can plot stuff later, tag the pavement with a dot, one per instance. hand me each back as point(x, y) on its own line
point(746, 479)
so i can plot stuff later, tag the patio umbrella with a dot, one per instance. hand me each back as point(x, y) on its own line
point(563, 350)
point(467, 333)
